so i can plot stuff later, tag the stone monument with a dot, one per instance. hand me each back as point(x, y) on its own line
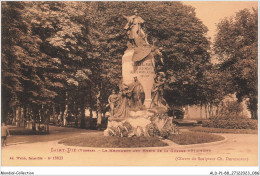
point(137, 60)
point(138, 112)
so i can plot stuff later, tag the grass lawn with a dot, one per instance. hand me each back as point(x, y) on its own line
point(19, 134)
point(186, 138)
point(222, 130)
point(98, 140)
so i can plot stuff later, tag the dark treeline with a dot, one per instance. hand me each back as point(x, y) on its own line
point(59, 58)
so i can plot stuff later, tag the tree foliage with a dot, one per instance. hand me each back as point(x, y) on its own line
point(172, 26)
point(236, 45)
point(57, 56)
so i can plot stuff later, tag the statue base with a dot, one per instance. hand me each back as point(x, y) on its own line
point(138, 62)
point(141, 123)
point(147, 103)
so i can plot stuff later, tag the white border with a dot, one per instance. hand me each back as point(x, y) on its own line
point(152, 170)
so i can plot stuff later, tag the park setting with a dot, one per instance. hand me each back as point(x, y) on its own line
point(136, 82)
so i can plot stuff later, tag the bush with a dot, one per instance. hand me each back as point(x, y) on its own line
point(230, 110)
point(168, 127)
point(165, 133)
point(231, 123)
point(231, 116)
point(223, 130)
point(152, 130)
point(91, 123)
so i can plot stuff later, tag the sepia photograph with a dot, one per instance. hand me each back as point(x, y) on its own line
point(129, 83)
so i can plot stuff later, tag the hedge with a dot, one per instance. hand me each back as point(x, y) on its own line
point(231, 123)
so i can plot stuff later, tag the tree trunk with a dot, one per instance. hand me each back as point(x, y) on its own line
point(47, 120)
point(66, 110)
point(65, 115)
point(90, 102)
point(99, 110)
point(253, 107)
point(210, 110)
point(254, 114)
point(29, 117)
point(24, 116)
point(34, 116)
point(40, 117)
point(82, 111)
point(54, 115)
point(82, 116)
point(201, 111)
point(187, 109)
point(14, 115)
point(44, 112)
point(76, 115)
point(5, 112)
point(217, 110)
point(19, 116)
point(60, 116)
point(206, 111)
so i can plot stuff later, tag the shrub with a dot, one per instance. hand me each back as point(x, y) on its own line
point(152, 130)
point(223, 130)
point(90, 123)
point(230, 110)
point(168, 127)
point(231, 123)
point(165, 133)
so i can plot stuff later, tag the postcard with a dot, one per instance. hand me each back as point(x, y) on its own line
point(134, 83)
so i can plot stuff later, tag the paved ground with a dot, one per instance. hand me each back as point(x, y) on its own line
point(237, 150)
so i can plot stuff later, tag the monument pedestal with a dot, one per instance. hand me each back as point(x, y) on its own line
point(143, 70)
point(139, 62)
point(141, 123)
point(138, 71)
point(147, 103)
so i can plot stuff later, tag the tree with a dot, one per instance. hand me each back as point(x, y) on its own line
point(63, 28)
point(236, 45)
point(21, 63)
point(11, 79)
point(174, 26)
point(43, 47)
point(59, 40)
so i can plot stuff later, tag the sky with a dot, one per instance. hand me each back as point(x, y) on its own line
point(211, 12)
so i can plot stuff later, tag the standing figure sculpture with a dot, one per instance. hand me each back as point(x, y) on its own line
point(157, 93)
point(158, 61)
point(112, 99)
point(122, 109)
point(136, 35)
point(138, 95)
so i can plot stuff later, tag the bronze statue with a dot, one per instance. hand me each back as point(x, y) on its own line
point(121, 111)
point(158, 61)
point(112, 99)
point(130, 97)
point(138, 95)
point(136, 35)
point(157, 92)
